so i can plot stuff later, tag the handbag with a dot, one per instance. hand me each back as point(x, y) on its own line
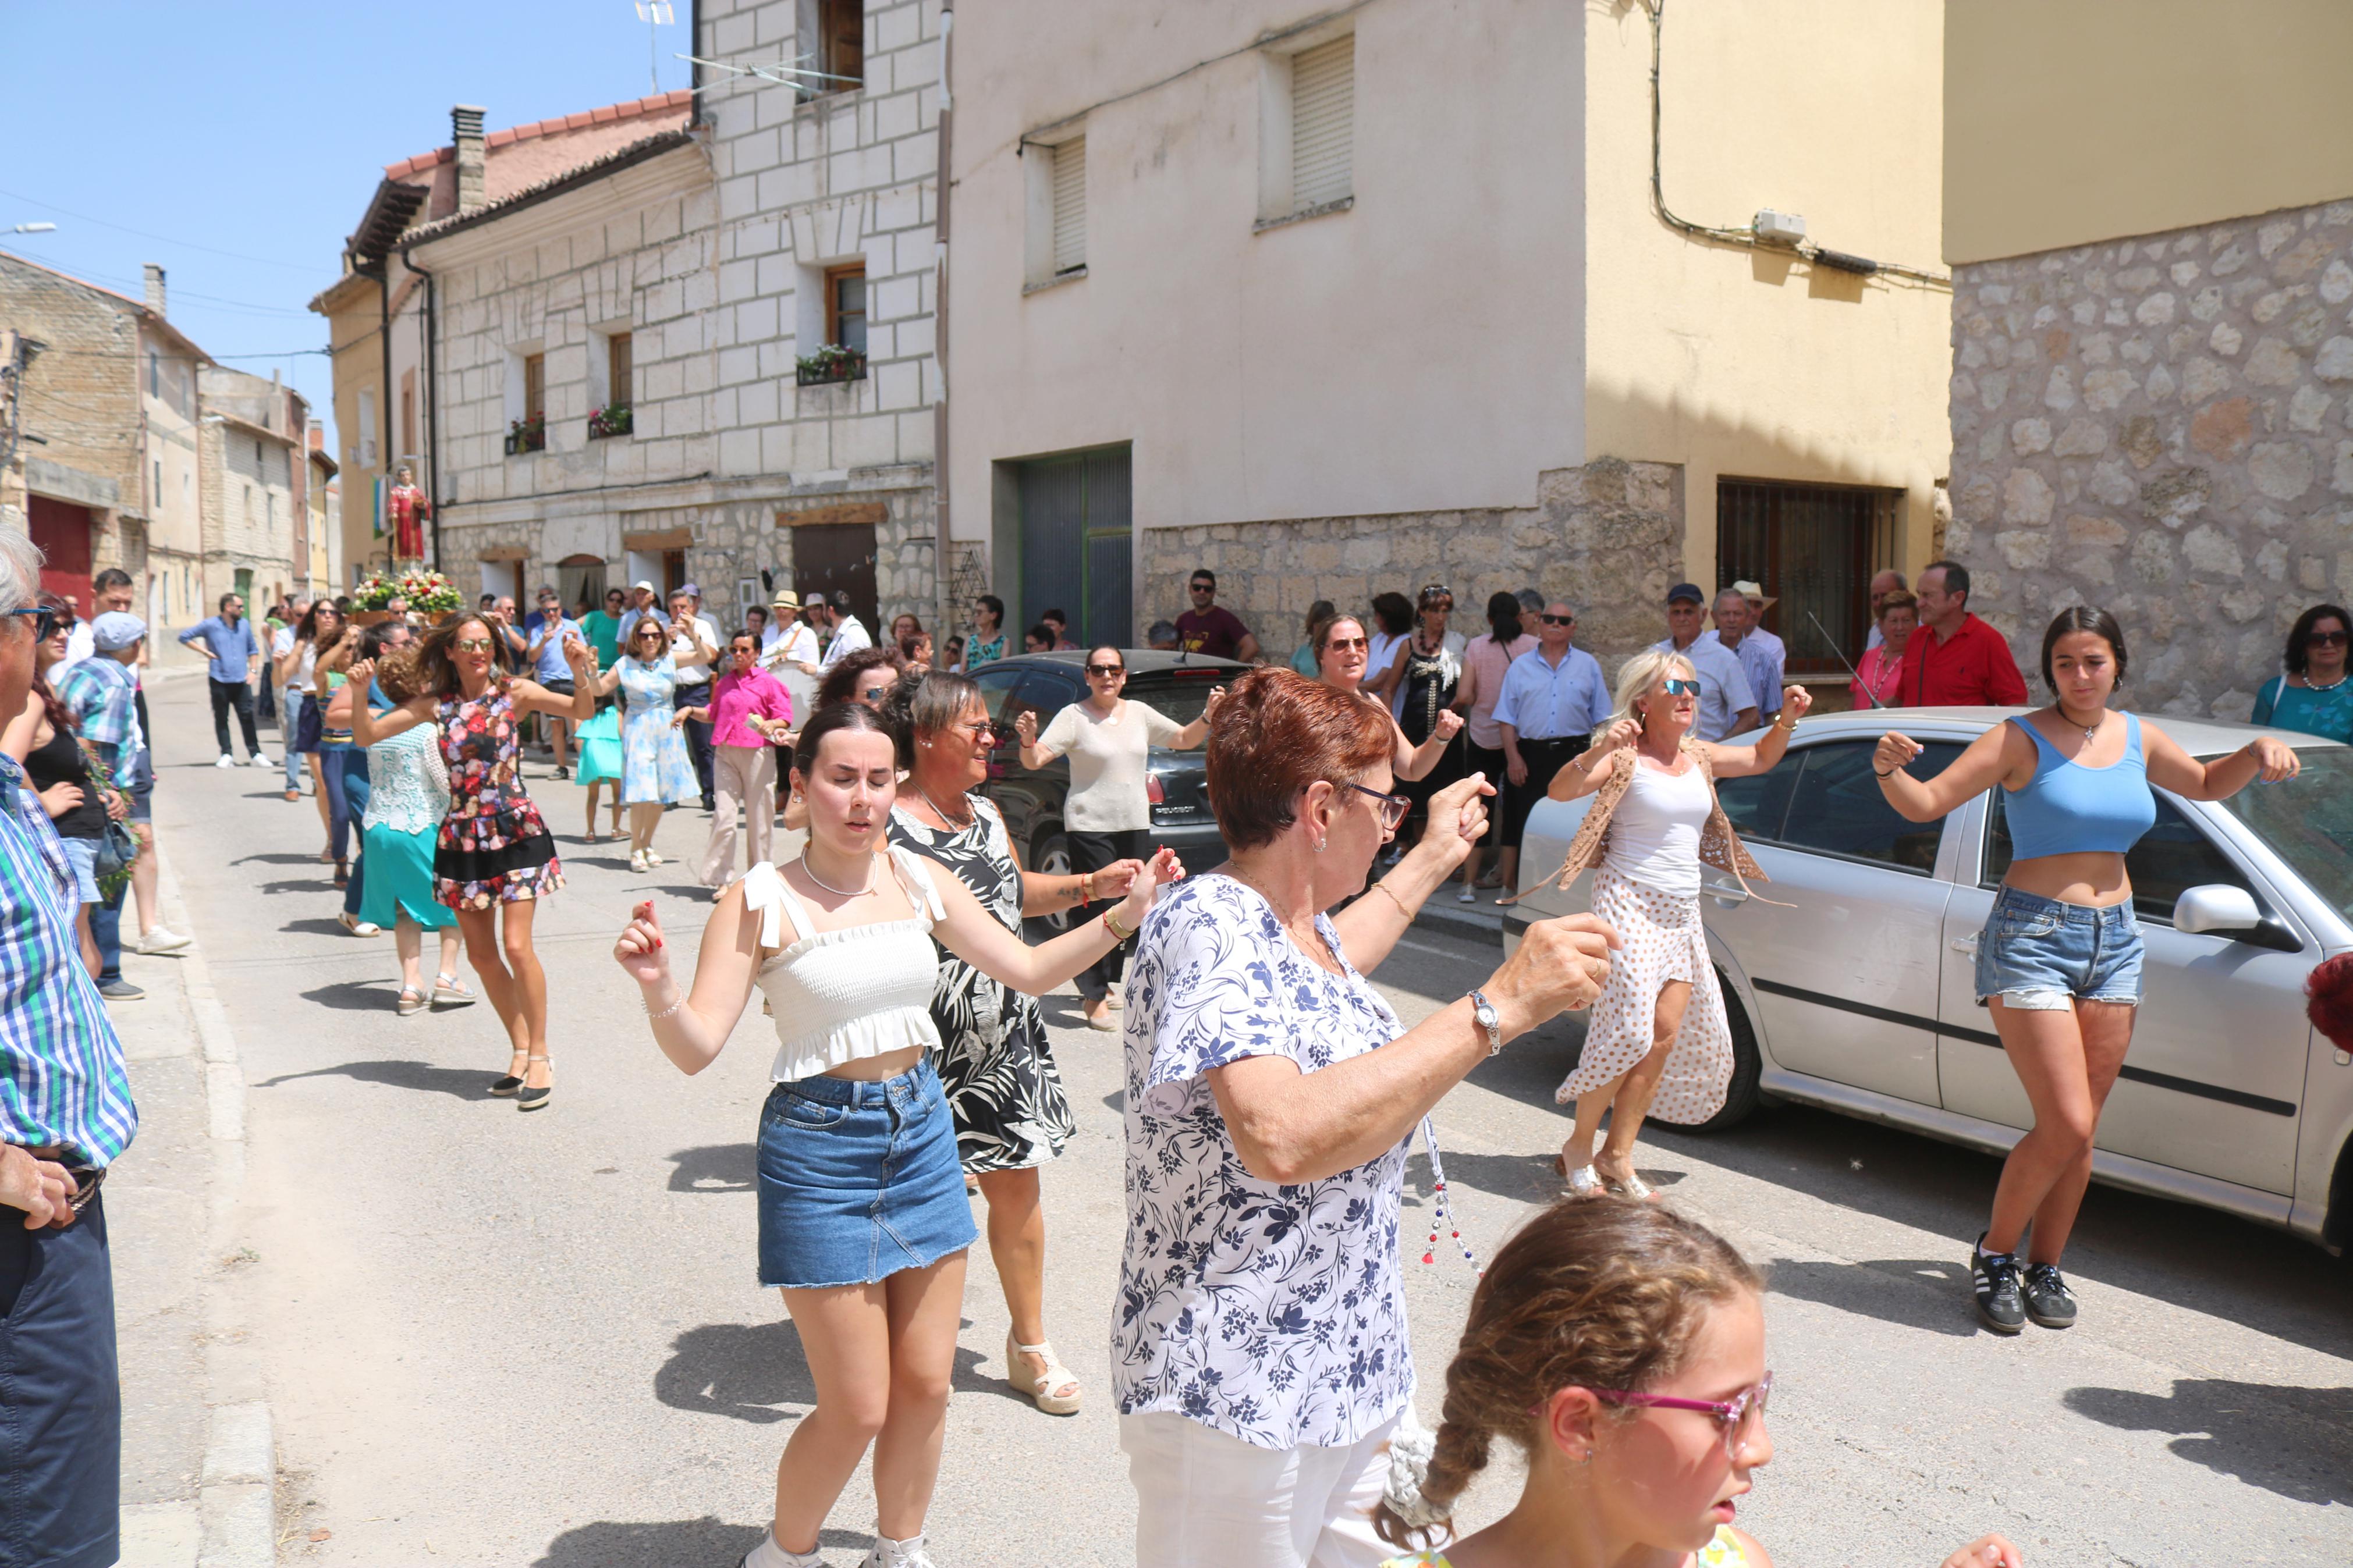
point(118, 847)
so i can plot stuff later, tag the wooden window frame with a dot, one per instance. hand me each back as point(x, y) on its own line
point(833, 277)
point(620, 370)
point(838, 20)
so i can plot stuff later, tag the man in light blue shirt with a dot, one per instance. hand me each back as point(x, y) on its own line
point(1553, 699)
point(1761, 654)
point(236, 657)
point(1726, 705)
point(544, 652)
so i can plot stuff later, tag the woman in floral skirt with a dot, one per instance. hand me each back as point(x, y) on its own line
point(493, 854)
point(656, 769)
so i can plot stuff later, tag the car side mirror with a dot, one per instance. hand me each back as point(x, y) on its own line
point(2217, 909)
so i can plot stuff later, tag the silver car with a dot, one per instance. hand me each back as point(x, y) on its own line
point(1858, 996)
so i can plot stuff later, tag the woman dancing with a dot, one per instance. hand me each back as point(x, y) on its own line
point(750, 711)
point(1342, 654)
point(407, 797)
point(995, 1067)
point(321, 629)
point(656, 770)
point(2058, 960)
point(493, 854)
point(863, 1220)
point(1655, 821)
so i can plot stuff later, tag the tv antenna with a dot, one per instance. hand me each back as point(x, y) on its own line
point(654, 13)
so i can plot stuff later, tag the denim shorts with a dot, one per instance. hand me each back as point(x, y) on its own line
point(859, 1180)
point(2039, 954)
point(138, 783)
point(82, 854)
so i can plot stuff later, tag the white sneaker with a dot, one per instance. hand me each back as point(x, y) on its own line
point(261, 760)
point(226, 761)
point(889, 1554)
point(160, 940)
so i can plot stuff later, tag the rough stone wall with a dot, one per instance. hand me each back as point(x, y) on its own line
point(248, 509)
point(81, 396)
point(1606, 538)
point(738, 538)
point(2161, 426)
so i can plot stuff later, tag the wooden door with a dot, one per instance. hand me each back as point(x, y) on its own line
point(63, 531)
point(838, 557)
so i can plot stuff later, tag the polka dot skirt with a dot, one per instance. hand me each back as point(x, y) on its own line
point(1664, 941)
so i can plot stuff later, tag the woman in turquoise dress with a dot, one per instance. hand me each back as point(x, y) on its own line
point(600, 764)
point(657, 771)
point(2312, 696)
point(408, 795)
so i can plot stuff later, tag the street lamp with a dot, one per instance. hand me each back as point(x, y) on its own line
point(34, 228)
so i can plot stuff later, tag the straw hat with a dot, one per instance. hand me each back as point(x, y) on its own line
point(1754, 595)
point(786, 599)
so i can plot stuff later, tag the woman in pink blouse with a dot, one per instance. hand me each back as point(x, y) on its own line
point(1882, 669)
point(749, 716)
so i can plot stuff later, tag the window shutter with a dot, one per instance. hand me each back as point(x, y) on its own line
point(1322, 123)
point(1069, 206)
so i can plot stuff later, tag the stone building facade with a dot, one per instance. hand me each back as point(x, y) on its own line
point(2161, 426)
point(253, 479)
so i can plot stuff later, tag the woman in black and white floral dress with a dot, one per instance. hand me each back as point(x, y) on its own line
point(995, 1064)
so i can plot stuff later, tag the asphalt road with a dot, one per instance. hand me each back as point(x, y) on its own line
point(499, 1339)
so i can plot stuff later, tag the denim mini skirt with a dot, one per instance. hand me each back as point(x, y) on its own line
point(2039, 954)
point(859, 1180)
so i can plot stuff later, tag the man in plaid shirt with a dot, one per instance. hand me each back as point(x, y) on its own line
point(102, 694)
point(66, 1115)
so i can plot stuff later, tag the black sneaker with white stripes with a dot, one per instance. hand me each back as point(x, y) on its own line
point(2048, 1301)
point(1994, 1277)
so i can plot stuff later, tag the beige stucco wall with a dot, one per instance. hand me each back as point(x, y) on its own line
point(2070, 121)
point(1755, 363)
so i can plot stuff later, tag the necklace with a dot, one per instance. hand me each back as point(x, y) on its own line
point(2312, 685)
point(810, 872)
point(958, 824)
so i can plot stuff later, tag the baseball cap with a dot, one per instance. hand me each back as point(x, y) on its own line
point(116, 630)
point(690, 589)
point(644, 584)
point(1686, 591)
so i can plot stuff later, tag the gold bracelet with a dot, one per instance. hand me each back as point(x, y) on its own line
point(1383, 886)
point(1112, 925)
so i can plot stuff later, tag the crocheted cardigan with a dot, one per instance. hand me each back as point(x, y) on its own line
point(1719, 846)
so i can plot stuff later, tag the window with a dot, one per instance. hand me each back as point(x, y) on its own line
point(534, 385)
point(619, 372)
point(1836, 808)
point(409, 411)
point(2171, 857)
point(154, 375)
point(1069, 206)
point(845, 306)
point(1812, 549)
point(155, 496)
point(1322, 123)
point(367, 427)
point(839, 29)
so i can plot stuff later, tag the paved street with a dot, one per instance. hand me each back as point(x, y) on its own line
point(488, 1338)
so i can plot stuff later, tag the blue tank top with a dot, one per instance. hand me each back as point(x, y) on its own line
point(2069, 809)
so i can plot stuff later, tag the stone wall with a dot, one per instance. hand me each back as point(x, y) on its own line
point(1606, 538)
point(2160, 427)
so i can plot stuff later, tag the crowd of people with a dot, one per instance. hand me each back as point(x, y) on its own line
point(1261, 1367)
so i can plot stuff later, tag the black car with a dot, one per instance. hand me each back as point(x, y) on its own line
point(1178, 783)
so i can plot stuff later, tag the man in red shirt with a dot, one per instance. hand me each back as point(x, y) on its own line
point(1210, 627)
point(1956, 660)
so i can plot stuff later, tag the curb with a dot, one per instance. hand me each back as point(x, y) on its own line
point(236, 1500)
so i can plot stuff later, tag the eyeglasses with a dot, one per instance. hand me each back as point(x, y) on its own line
point(2326, 639)
point(1558, 620)
point(1393, 806)
point(1106, 670)
point(982, 729)
point(1345, 644)
point(43, 619)
point(1680, 688)
point(1739, 1415)
point(473, 645)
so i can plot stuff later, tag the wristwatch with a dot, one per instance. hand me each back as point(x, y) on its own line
point(1483, 1014)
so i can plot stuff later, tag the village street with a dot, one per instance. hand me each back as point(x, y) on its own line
point(488, 1338)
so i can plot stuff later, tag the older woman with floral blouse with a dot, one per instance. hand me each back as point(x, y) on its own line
point(1259, 1341)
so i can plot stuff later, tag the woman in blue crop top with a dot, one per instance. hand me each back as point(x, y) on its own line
point(863, 1221)
point(2059, 958)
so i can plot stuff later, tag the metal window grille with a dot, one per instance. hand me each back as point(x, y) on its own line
point(1812, 549)
point(1322, 123)
point(1069, 206)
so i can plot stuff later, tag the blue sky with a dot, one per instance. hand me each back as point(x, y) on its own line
point(258, 130)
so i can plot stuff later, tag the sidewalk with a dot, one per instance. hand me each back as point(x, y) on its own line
point(198, 1465)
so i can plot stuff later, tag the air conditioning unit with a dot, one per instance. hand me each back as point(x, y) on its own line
point(1779, 228)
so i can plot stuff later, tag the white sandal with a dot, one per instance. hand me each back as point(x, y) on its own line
point(1056, 1375)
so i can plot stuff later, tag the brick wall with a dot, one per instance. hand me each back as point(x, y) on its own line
point(81, 396)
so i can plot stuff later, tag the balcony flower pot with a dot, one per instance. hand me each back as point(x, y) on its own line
point(829, 364)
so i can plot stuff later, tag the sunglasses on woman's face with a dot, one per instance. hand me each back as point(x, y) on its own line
point(1106, 670)
point(1342, 645)
point(2327, 640)
point(473, 645)
point(1680, 688)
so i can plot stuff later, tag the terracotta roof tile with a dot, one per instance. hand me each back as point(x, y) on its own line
point(660, 103)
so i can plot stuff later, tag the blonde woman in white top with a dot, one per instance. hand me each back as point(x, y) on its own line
point(863, 1220)
point(1106, 817)
point(1660, 1019)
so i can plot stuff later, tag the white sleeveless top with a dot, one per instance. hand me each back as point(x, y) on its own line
point(1654, 833)
point(839, 995)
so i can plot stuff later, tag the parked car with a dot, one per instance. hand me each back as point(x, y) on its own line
point(1859, 997)
point(1178, 783)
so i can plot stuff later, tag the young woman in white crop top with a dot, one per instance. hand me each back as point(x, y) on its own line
point(1658, 1033)
point(863, 1220)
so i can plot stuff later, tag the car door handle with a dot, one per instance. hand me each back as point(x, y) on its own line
point(1726, 893)
point(1967, 944)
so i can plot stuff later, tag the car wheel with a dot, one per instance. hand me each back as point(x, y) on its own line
point(1740, 1096)
point(1054, 859)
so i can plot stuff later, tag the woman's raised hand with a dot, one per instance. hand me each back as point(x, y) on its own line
point(1448, 724)
point(1797, 702)
point(1559, 968)
point(639, 950)
point(1114, 881)
point(362, 671)
point(580, 656)
point(1894, 751)
point(2274, 758)
point(1025, 724)
point(1458, 819)
point(1150, 877)
point(1625, 732)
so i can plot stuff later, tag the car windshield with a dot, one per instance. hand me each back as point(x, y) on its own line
point(1180, 695)
point(2308, 821)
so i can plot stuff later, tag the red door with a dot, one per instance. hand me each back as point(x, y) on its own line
point(63, 531)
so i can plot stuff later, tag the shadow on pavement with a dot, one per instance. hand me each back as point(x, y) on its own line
point(673, 1541)
point(322, 882)
point(463, 1083)
point(601, 862)
point(748, 1370)
point(357, 995)
point(714, 1168)
point(2294, 1441)
point(314, 927)
point(279, 858)
point(1888, 1288)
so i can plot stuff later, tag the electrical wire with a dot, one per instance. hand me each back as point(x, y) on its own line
point(161, 238)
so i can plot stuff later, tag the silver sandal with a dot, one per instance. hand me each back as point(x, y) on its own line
point(1585, 1182)
point(1633, 1187)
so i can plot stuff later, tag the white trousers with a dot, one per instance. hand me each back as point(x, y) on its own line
point(744, 776)
point(1207, 1500)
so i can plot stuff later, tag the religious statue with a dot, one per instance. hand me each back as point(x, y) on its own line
point(406, 510)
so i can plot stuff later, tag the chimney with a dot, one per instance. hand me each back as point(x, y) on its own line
point(155, 289)
point(466, 141)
